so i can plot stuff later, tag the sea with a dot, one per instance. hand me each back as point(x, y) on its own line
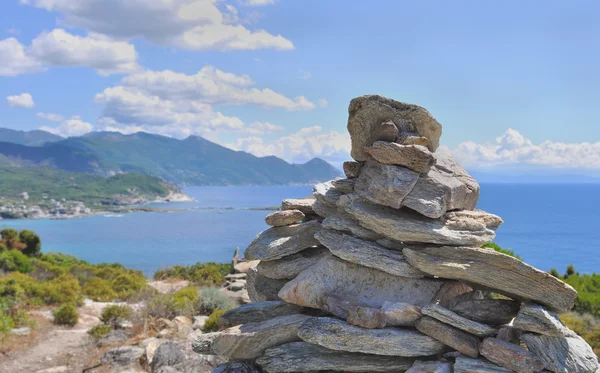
point(548, 225)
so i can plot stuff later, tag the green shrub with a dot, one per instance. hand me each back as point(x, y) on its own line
point(13, 260)
point(160, 306)
point(115, 314)
point(201, 274)
point(125, 285)
point(99, 330)
point(32, 242)
point(212, 323)
point(6, 323)
point(66, 315)
point(212, 299)
point(99, 290)
point(186, 301)
point(496, 247)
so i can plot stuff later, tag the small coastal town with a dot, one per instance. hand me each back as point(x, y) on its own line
point(48, 208)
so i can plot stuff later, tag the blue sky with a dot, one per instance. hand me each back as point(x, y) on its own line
point(512, 82)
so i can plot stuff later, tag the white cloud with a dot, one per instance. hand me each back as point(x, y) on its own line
point(258, 2)
point(191, 24)
point(70, 127)
point(51, 117)
point(323, 102)
point(513, 148)
point(301, 146)
point(23, 100)
point(261, 128)
point(59, 48)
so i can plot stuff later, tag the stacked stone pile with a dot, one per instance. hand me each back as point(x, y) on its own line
point(384, 271)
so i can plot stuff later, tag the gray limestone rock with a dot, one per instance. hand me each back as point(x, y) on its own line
point(488, 311)
point(338, 335)
point(301, 204)
point(237, 367)
point(366, 317)
point(249, 341)
point(168, 354)
point(510, 356)
point(414, 157)
point(307, 357)
point(122, 356)
point(261, 288)
point(275, 243)
point(510, 334)
point(352, 169)
point(284, 217)
point(430, 367)
point(457, 339)
point(367, 113)
point(344, 185)
point(503, 273)
point(400, 314)
point(447, 186)
point(562, 354)
point(332, 275)
point(290, 266)
point(350, 225)
point(535, 318)
point(405, 225)
point(368, 254)
point(448, 317)
point(203, 343)
point(257, 312)
point(385, 185)
point(465, 364)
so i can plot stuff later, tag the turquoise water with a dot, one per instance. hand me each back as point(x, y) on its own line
point(548, 225)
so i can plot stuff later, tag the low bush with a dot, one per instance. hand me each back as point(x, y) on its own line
point(14, 260)
point(212, 323)
point(201, 274)
point(212, 299)
point(496, 247)
point(184, 302)
point(115, 314)
point(99, 290)
point(66, 315)
point(99, 330)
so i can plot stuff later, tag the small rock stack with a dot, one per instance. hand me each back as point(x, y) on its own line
point(384, 271)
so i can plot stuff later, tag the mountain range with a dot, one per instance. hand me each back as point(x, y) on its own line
point(192, 161)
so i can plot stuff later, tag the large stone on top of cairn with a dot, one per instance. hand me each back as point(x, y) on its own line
point(368, 254)
point(500, 272)
point(275, 243)
point(369, 118)
point(336, 334)
point(308, 357)
point(373, 287)
point(456, 228)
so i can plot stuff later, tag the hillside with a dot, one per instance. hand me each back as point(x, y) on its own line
point(31, 138)
point(193, 161)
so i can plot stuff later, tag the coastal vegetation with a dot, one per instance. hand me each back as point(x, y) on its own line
point(201, 274)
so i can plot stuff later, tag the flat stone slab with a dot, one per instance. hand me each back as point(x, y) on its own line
point(261, 288)
point(562, 354)
point(465, 364)
point(447, 186)
point(448, 317)
point(257, 312)
point(430, 367)
point(367, 254)
point(488, 311)
point(301, 204)
point(367, 114)
point(249, 341)
point(385, 185)
point(457, 339)
point(405, 225)
point(344, 185)
point(503, 273)
point(275, 243)
point(535, 318)
point(284, 217)
point(414, 157)
point(307, 357)
point(510, 356)
point(350, 225)
point(338, 335)
point(332, 275)
point(290, 266)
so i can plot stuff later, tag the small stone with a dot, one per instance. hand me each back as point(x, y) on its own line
point(448, 317)
point(122, 356)
point(337, 335)
point(465, 364)
point(284, 217)
point(368, 254)
point(203, 344)
point(249, 341)
point(307, 357)
point(20, 331)
point(301, 204)
point(400, 314)
point(344, 185)
point(366, 317)
point(244, 267)
point(261, 288)
point(167, 354)
point(387, 131)
point(414, 157)
point(338, 305)
point(535, 318)
point(385, 185)
point(235, 276)
point(350, 225)
point(430, 367)
point(257, 312)
point(352, 169)
point(290, 266)
point(277, 242)
point(199, 322)
point(510, 356)
point(488, 311)
point(450, 336)
point(562, 354)
point(114, 338)
point(510, 334)
point(503, 273)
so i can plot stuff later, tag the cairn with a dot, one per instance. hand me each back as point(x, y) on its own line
point(384, 271)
